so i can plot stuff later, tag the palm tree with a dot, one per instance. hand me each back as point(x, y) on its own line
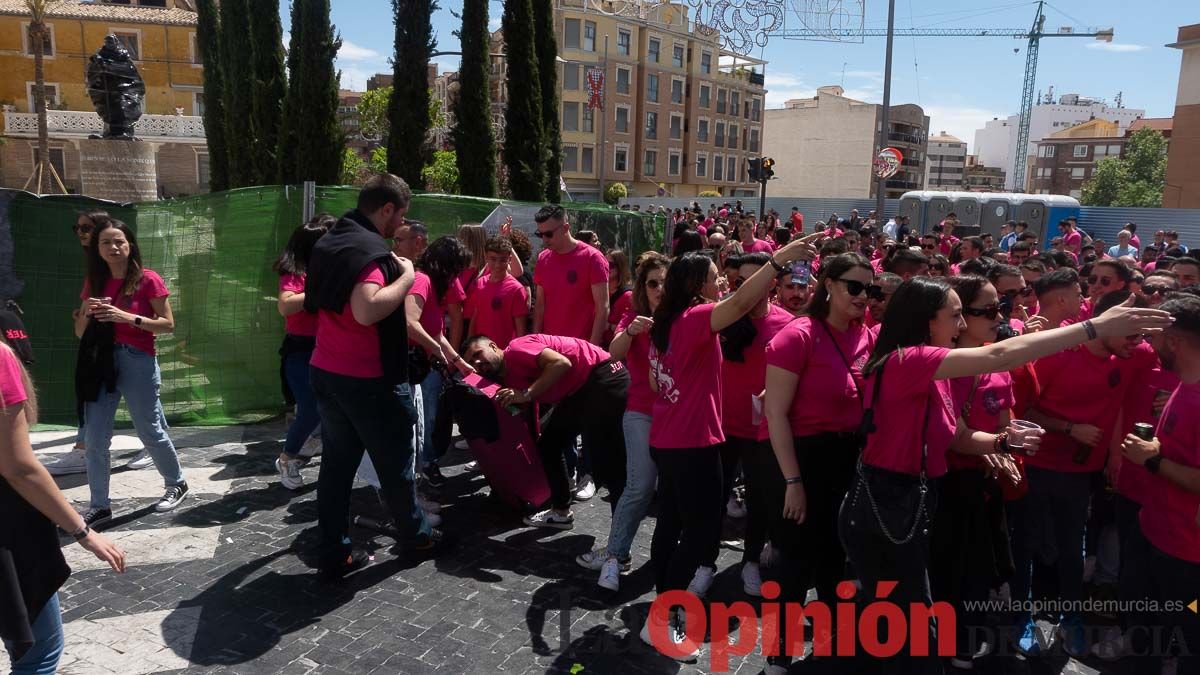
point(37, 38)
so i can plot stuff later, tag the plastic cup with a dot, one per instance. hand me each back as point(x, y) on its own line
point(1021, 424)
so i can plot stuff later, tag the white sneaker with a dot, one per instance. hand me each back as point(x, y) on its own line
point(471, 467)
point(585, 488)
point(734, 508)
point(752, 579)
point(289, 473)
point(171, 498)
point(311, 447)
point(592, 560)
point(433, 519)
point(428, 505)
point(610, 575)
point(74, 461)
point(1112, 645)
point(141, 460)
point(550, 519)
point(702, 581)
point(677, 635)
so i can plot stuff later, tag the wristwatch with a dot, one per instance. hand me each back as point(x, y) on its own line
point(82, 533)
point(1153, 463)
point(137, 321)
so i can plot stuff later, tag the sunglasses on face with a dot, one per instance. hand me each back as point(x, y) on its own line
point(928, 247)
point(82, 228)
point(855, 288)
point(1023, 292)
point(989, 312)
point(1103, 282)
point(876, 293)
point(653, 284)
point(1153, 289)
point(545, 234)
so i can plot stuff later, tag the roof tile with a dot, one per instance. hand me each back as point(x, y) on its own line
point(78, 9)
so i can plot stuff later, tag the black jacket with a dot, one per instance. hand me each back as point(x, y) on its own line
point(337, 260)
point(94, 368)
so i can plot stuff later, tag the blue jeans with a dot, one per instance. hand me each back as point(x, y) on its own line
point(431, 391)
point(42, 657)
point(138, 380)
point(641, 475)
point(307, 419)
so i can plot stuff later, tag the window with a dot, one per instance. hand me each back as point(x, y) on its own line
point(676, 91)
point(652, 125)
point(733, 102)
point(129, 40)
point(51, 91)
point(673, 161)
point(570, 158)
point(650, 163)
point(1114, 149)
point(202, 170)
point(702, 131)
point(706, 62)
point(733, 136)
point(1076, 194)
point(621, 159)
point(589, 36)
point(677, 56)
point(652, 88)
point(756, 109)
point(571, 34)
point(1046, 151)
point(676, 131)
point(1099, 151)
point(195, 49)
point(718, 167)
point(731, 169)
point(624, 38)
point(198, 103)
point(720, 139)
point(652, 50)
point(585, 159)
point(570, 116)
point(589, 120)
point(57, 160)
point(701, 165)
point(1077, 172)
point(1080, 151)
point(753, 140)
point(623, 80)
point(571, 76)
point(705, 95)
point(623, 119)
point(47, 41)
point(721, 101)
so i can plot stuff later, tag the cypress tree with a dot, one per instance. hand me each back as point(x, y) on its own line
point(547, 53)
point(208, 41)
point(523, 141)
point(286, 153)
point(240, 130)
point(320, 140)
point(270, 87)
point(408, 110)
point(473, 138)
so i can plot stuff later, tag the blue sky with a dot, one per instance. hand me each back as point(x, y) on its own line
point(961, 82)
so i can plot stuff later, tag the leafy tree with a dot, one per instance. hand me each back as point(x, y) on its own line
point(615, 192)
point(353, 168)
point(1136, 179)
point(240, 127)
point(547, 55)
point(523, 141)
point(378, 161)
point(288, 150)
point(270, 86)
point(44, 170)
point(442, 174)
point(373, 113)
point(208, 42)
point(407, 109)
point(473, 107)
point(709, 193)
point(310, 111)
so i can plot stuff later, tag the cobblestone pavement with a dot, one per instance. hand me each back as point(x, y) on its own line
point(225, 584)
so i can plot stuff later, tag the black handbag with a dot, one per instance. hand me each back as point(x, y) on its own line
point(899, 503)
point(418, 364)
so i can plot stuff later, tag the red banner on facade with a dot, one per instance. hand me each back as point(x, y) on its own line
point(595, 85)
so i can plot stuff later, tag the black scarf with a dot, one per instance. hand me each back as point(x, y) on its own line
point(337, 260)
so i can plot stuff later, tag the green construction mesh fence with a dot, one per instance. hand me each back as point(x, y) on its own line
point(221, 364)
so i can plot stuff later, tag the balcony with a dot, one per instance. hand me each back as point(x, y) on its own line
point(904, 138)
point(78, 124)
point(902, 185)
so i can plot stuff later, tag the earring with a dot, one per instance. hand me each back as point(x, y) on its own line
point(828, 297)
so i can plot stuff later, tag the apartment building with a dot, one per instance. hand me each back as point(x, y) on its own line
point(945, 168)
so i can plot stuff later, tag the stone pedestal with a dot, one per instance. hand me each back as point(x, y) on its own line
point(121, 171)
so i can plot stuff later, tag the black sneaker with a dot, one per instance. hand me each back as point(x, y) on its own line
point(354, 561)
point(433, 474)
point(431, 545)
point(171, 498)
point(94, 517)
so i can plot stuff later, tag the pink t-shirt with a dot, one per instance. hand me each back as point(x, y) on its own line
point(12, 385)
point(617, 309)
point(1081, 388)
point(1134, 481)
point(908, 389)
point(637, 361)
point(759, 246)
point(947, 244)
point(467, 279)
point(494, 305)
point(521, 368)
point(993, 396)
point(1170, 515)
point(433, 312)
point(687, 409)
point(827, 395)
point(746, 379)
point(149, 288)
point(302, 322)
point(1073, 243)
point(566, 282)
point(345, 346)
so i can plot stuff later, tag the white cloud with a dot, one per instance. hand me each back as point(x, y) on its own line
point(355, 79)
point(861, 74)
point(353, 52)
point(494, 24)
point(782, 80)
point(1116, 47)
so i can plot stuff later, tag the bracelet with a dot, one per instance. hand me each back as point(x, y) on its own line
point(456, 359)
point(793, 480)
point(1000, 443)
point(778, 268)
point(81, 533)
point(1153, 464)
point(1091, 329)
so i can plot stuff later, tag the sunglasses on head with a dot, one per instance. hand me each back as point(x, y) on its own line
point(855, 288)
point(82, 229)
point(1103, 282)
point(989, 312)
point(1154, 289)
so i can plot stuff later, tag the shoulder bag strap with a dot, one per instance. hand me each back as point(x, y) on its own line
point(846, 361)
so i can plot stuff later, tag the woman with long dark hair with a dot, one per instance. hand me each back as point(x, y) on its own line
point(299, 340)
point(124, 307)
point(435, 286)
point(686, 434)
point(813, 408)
point(911, 424)
point(632, 345)
point(620, 291)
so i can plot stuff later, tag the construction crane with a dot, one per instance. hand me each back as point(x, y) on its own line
point(1034, 35)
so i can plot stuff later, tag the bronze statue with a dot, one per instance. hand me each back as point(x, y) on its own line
point(116, 89)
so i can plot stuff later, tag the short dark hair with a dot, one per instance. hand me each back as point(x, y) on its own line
point(998, 270)
point(1110, 300)
point(499, 244)
point(1034, 266)
point(1021, 246)
point(1056, 281)
point(977, 266)
point(1123, 272)
point(1026, 236)
point(383, 189)
point(417, 227)
point(549, 211)
point(905, 260)
point(1021, 223)
point(1185, 309)
point(975, 242)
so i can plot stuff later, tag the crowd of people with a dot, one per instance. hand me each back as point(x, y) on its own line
point(966, 419)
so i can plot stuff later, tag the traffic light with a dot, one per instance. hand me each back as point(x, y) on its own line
point(756, 165)
point(768, 171)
